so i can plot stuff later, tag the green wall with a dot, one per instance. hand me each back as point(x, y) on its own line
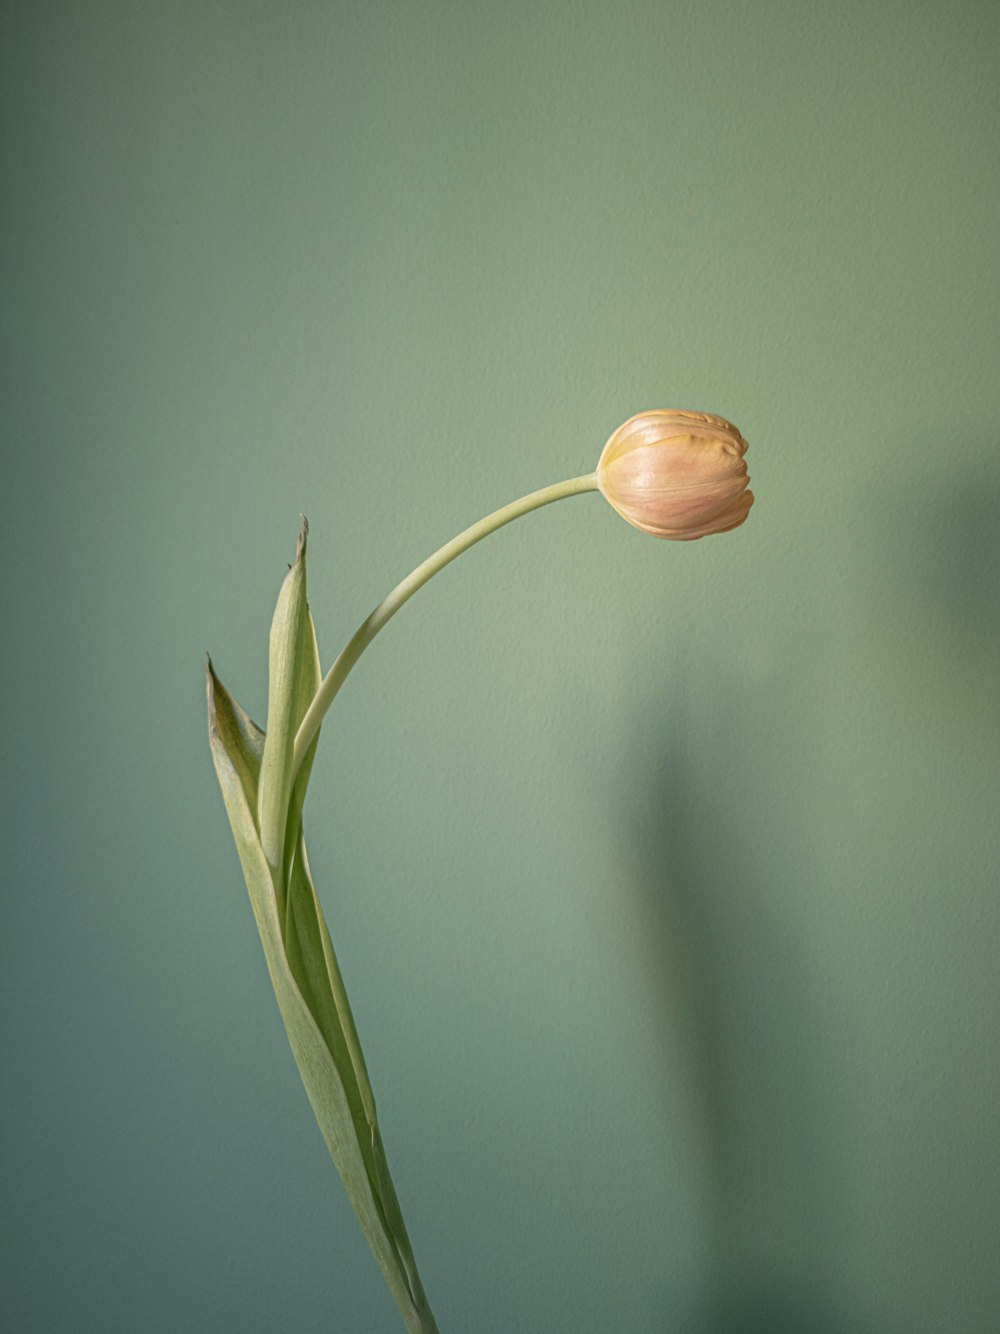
point(663, 876)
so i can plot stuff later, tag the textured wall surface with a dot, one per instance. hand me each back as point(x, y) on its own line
point(663, 876)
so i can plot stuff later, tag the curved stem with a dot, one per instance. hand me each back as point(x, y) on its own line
point(402, 593)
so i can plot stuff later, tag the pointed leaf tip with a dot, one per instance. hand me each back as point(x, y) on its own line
point(300, 545)
point(212, 684)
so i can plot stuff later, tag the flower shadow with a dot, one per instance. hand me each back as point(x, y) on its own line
point(732, 980)
point(728, 847)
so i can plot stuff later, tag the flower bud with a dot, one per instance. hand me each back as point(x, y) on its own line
point(676, 474)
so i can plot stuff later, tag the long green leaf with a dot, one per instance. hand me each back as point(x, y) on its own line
point(299, 954)
point(288, 661)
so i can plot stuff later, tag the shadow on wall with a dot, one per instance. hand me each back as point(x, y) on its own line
point(750, 1313)
point(944, 536)
point(928, 576)
point(725, 847)
point(738, 987)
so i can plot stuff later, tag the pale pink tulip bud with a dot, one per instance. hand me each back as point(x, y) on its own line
point(676, 474)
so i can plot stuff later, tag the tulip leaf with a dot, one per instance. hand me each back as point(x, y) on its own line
point(291, 658)
point(297, 948)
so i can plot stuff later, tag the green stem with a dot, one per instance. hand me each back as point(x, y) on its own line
point(402, 593)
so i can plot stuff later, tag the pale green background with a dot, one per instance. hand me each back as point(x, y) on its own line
point(664, 877)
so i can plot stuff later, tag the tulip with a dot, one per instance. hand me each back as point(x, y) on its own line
point(676, 474)
point(673, 474)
